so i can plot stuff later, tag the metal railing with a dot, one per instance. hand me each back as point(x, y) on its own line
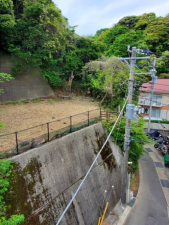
point(146, 102)
point(23, 140)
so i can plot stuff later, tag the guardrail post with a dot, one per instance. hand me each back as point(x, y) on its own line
point(70, 124)
point(48, 130)
point(88, 119)
point(16, 137)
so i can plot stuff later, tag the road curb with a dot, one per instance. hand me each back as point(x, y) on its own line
point(129, 208)
point(123, 218)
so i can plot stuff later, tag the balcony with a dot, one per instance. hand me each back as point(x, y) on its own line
point(146, 102)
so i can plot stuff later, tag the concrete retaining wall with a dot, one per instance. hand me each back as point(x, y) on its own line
point(157, 126)
point(44, 179)
point(27, 85)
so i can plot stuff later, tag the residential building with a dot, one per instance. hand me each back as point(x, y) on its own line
point(160, 100)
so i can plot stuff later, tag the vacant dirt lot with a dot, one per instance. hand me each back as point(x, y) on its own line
point(21, 116)
point(25, 115)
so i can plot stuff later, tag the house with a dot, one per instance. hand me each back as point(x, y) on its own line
point(160, 100)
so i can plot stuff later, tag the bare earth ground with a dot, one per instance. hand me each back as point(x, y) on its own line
point(25, 115)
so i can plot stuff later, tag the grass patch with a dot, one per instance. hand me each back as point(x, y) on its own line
point(36, 100)
point(134, 182)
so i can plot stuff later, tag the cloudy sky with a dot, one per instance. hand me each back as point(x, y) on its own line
point(92, 15)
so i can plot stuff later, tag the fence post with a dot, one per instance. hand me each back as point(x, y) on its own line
point(100, 113)
point(16, 137)
point(48, 130)
point(88, 119)
point(70, 124)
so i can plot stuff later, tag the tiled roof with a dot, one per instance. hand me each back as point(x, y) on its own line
point(162, 86)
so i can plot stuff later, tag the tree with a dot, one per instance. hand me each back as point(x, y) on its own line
point(7, 22)
point(113, 34)
point(99, 32)
point(157, 34)
point(108, 75)
point(40, 33)
point(138, 138)
point(4, 77)
point(163, 65)
point(79, 52)
point(144, 20)
point(128, 21)
point(119, 46)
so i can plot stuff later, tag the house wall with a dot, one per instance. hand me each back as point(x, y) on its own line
point(165, 98)
point(164, 109)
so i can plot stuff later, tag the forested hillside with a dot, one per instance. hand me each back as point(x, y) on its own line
point(37, 34)
point(145, 31)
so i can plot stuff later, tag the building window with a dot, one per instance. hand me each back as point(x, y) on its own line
point(157, 100)
point(155, 113)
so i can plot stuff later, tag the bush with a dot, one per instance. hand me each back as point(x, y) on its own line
point(52, 77)
point(138, 138)
point(5, 171)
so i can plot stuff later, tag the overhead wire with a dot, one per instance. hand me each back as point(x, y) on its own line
point(73, 197)
point(120, 121)
point(46, 204)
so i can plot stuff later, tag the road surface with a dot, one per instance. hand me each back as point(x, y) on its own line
point(150, 207)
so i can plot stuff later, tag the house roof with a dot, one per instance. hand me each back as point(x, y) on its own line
point(162, 86)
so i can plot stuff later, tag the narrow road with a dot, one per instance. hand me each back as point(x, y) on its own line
point(150, 207)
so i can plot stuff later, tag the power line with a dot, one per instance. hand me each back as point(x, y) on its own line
point(73, 197)
point(62, 192)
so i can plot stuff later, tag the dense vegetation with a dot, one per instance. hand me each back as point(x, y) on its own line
point(137, 138)
point(37, 34)
point(5, 171)
point(145, 31)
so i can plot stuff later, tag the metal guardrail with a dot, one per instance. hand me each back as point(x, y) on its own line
point(20, 141)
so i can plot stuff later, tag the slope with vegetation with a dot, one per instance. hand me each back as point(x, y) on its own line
point(36, 33)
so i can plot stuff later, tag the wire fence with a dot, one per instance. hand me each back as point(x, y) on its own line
point(23, 140)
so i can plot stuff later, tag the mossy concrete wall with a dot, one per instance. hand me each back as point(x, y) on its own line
point(44, 179)
point(25, 85)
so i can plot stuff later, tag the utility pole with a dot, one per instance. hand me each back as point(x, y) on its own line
point(154, 80)
point(127, 129)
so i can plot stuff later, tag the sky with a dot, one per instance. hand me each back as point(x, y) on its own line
point(92, 15)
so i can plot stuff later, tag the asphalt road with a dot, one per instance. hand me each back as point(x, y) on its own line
point(150, 207)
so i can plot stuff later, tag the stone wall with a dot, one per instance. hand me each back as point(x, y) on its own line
point(44, 179)
point(26, 85)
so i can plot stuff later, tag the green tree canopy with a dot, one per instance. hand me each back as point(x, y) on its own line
point(157, 33)
point(108, 75)
point(39, 33)
point(119, 46)
point(7, 22)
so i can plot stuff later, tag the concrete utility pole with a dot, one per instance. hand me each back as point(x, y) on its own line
point(129, 114)
point(154, 80)
point(127, 129)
